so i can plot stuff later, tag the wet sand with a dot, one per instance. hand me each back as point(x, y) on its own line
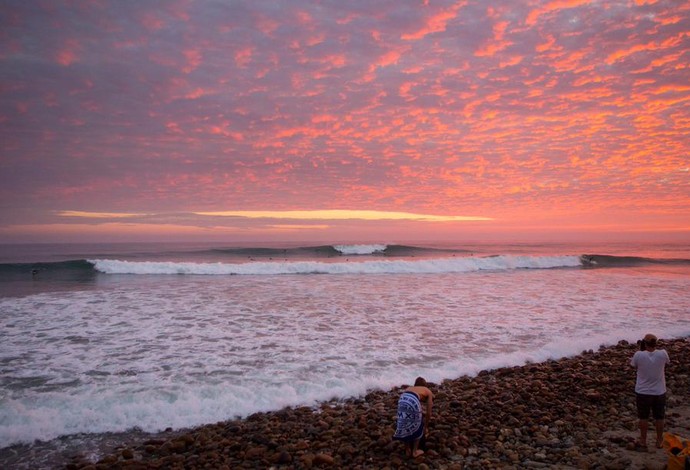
point(575, 412)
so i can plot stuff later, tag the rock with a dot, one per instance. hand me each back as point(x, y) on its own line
point(346, 450)
point(108, 460)
point(533, 464)
point(254, 453)
point(153, 442)
point(323, 459)
point(307, 460)
point(282, 458)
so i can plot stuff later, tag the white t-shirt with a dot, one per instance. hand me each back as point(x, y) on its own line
point(650, 365)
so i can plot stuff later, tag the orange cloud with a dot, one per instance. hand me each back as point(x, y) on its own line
point(243, 56)
point(551, 7)
point(194, 57)
point(498, 42)
point(68, 52)
point(435, 23)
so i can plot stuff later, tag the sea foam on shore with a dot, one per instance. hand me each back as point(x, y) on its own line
point(573, 412)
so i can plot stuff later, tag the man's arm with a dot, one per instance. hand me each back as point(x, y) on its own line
point(429, 405)
point(633, 361)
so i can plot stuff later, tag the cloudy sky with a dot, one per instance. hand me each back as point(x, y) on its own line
point(344, 120)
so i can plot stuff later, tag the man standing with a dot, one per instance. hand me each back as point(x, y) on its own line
point(650, 387)
point(413, 418)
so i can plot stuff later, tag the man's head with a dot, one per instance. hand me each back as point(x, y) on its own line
point(650, 341)
point(420, 382)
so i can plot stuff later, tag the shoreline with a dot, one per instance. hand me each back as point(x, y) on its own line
point(576, 412)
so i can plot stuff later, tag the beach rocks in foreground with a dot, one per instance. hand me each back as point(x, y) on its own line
point(571, 413)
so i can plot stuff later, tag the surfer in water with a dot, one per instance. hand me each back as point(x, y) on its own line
point(414, 413)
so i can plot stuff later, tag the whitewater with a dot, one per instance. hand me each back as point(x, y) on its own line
point(116, 341)
point(453, 265)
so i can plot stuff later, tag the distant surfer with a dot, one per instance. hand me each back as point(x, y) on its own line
point(414, 413)
point(588, 260)
point(34, 273)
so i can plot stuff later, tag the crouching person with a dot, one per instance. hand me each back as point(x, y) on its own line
point(414, 413)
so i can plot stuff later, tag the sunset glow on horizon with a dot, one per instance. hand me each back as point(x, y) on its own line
point(291, 120)
point(341, 215)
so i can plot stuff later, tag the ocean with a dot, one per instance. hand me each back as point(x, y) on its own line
point(102, 342)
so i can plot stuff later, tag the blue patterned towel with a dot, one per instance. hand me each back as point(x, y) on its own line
point(410, 423)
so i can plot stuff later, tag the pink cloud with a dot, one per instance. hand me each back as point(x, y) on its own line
point(194, 59)
point(551, 7)
point(436, 22)
point(68, 53)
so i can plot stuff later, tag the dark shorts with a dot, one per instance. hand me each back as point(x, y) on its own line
point(654, 403)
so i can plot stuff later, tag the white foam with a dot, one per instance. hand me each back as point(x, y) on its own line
point(360, 249)
point(427, 266)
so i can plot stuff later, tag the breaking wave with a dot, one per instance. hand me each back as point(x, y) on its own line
point(360, 259)
point(437, 265)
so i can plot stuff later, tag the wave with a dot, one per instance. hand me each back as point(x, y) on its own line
point(82, 270)
point(73, 270)
point(328, 251)
point(259, 252)
point(360, 249)
point(609, 261)
point(428, 266)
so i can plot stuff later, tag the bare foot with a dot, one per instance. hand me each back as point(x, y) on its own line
point(659, 443)
point(418, 453)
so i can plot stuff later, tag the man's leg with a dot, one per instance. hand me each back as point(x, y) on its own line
point(659, 424)
point(415, 451)
point(643, 410)
point(644, 424)
point(408, 449)
point(658, 413)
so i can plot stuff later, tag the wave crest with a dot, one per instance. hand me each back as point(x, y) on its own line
point(360, 249)
point(430, 266)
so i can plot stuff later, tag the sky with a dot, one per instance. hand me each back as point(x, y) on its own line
point(376, 120)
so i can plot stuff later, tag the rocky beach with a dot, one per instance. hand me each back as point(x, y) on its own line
point(576, 412)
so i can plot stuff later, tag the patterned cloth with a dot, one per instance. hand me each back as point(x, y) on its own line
point(410, 418)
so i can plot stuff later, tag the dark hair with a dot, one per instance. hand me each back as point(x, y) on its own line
point(420, 382)
point(649, 340)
